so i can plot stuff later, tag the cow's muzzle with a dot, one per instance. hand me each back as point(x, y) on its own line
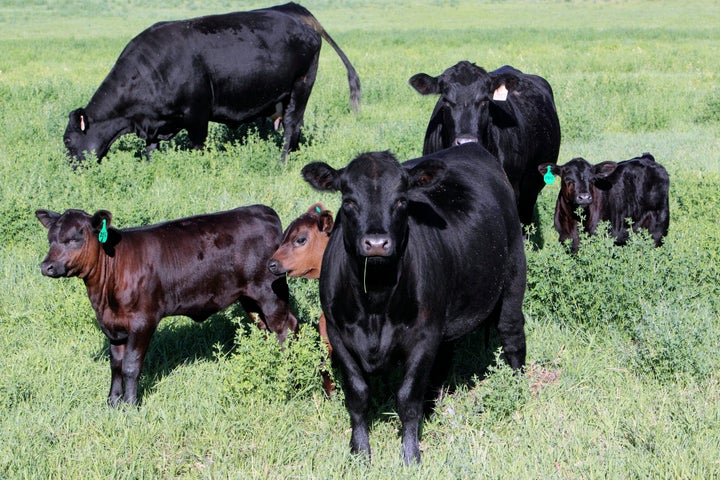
point(465, 139)
point(276, 267)
point(52, 269)
point(583, 199)
point(376, 245)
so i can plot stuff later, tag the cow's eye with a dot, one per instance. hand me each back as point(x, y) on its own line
point(300, 241)
point(349, 204)
point(73, 239)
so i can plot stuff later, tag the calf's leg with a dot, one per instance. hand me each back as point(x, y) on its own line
point(133, 360)
point(116, 381)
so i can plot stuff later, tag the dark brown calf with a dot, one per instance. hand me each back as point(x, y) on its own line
point(194, 266)
point(300, 255)
point(635, 189)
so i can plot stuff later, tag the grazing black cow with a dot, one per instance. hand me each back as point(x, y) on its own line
point(635, 189)
point(419, 256)
point(511, 113)
point(231, 69)
point(194, 266)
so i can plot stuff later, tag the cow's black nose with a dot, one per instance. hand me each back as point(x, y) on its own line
point(376, 245)
point(584, 199)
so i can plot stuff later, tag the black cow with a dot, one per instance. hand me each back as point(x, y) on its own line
point(419, 256)
point(511, 113)
point(230, 69)
point(635, 189)
point(194, 266)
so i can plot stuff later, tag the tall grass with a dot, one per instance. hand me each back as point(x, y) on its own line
point(622, 378)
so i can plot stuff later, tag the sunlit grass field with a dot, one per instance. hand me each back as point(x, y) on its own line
point(623, 368)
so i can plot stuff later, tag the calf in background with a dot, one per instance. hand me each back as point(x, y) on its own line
point(629, 194)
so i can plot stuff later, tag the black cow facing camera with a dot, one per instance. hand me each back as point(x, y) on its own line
point(635, 189)
point(231, 69)
point(509, 112)
point(420, 255)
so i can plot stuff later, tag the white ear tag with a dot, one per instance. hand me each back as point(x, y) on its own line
point(500, 93)
point(82, 123)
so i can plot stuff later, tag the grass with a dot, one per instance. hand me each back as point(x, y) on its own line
point(622, 378)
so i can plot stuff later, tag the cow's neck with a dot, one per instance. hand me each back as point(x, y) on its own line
point(97, 279)
point(378, 281)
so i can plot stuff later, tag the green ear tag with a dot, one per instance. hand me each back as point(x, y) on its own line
point(549, 177)
point(317, 209)
point(103, 234)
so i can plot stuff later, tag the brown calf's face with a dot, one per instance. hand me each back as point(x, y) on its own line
point(301, 251)
point(73, 241)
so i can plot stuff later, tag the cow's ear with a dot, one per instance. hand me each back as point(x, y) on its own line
point(316, 208)
point(325, 222)
point(47, 218)
point(80, 120)
point(604, 169)
point(426, 174)
point(97, 220)
point(322, 176)
point(549, 171)
point(425, 84)
point(504, 83)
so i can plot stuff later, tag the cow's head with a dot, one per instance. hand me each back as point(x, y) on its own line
point(301, 250)
point(74, 243)
point(578, 178)
point(376, 191)
point(470, 98)
point(82, 136)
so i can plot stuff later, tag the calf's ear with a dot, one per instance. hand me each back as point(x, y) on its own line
point(426, 174)
point(603, 169)
point(424, 83)
point(325, 222)
point(97, 220)
point(46, 217)
point(322, 176)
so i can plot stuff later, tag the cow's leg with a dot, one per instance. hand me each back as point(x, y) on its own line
point(511, 321)
point(357, 398)
point(439, 374)
point(295, 110)
point(135, 350)
point(527, 197)
point(197, 133)
point(410, 398)
point(116, 377)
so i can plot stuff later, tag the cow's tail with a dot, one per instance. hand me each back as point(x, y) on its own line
point(353, 78)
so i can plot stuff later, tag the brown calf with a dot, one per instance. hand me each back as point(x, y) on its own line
point(194, 266)
point(300, 255)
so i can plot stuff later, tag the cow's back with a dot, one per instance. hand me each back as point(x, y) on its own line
point(214, 60)
point(227, 253)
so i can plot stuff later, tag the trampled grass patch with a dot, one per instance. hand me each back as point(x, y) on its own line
point(622, 378)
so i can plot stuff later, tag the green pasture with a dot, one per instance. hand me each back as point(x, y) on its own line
point(623, 374)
